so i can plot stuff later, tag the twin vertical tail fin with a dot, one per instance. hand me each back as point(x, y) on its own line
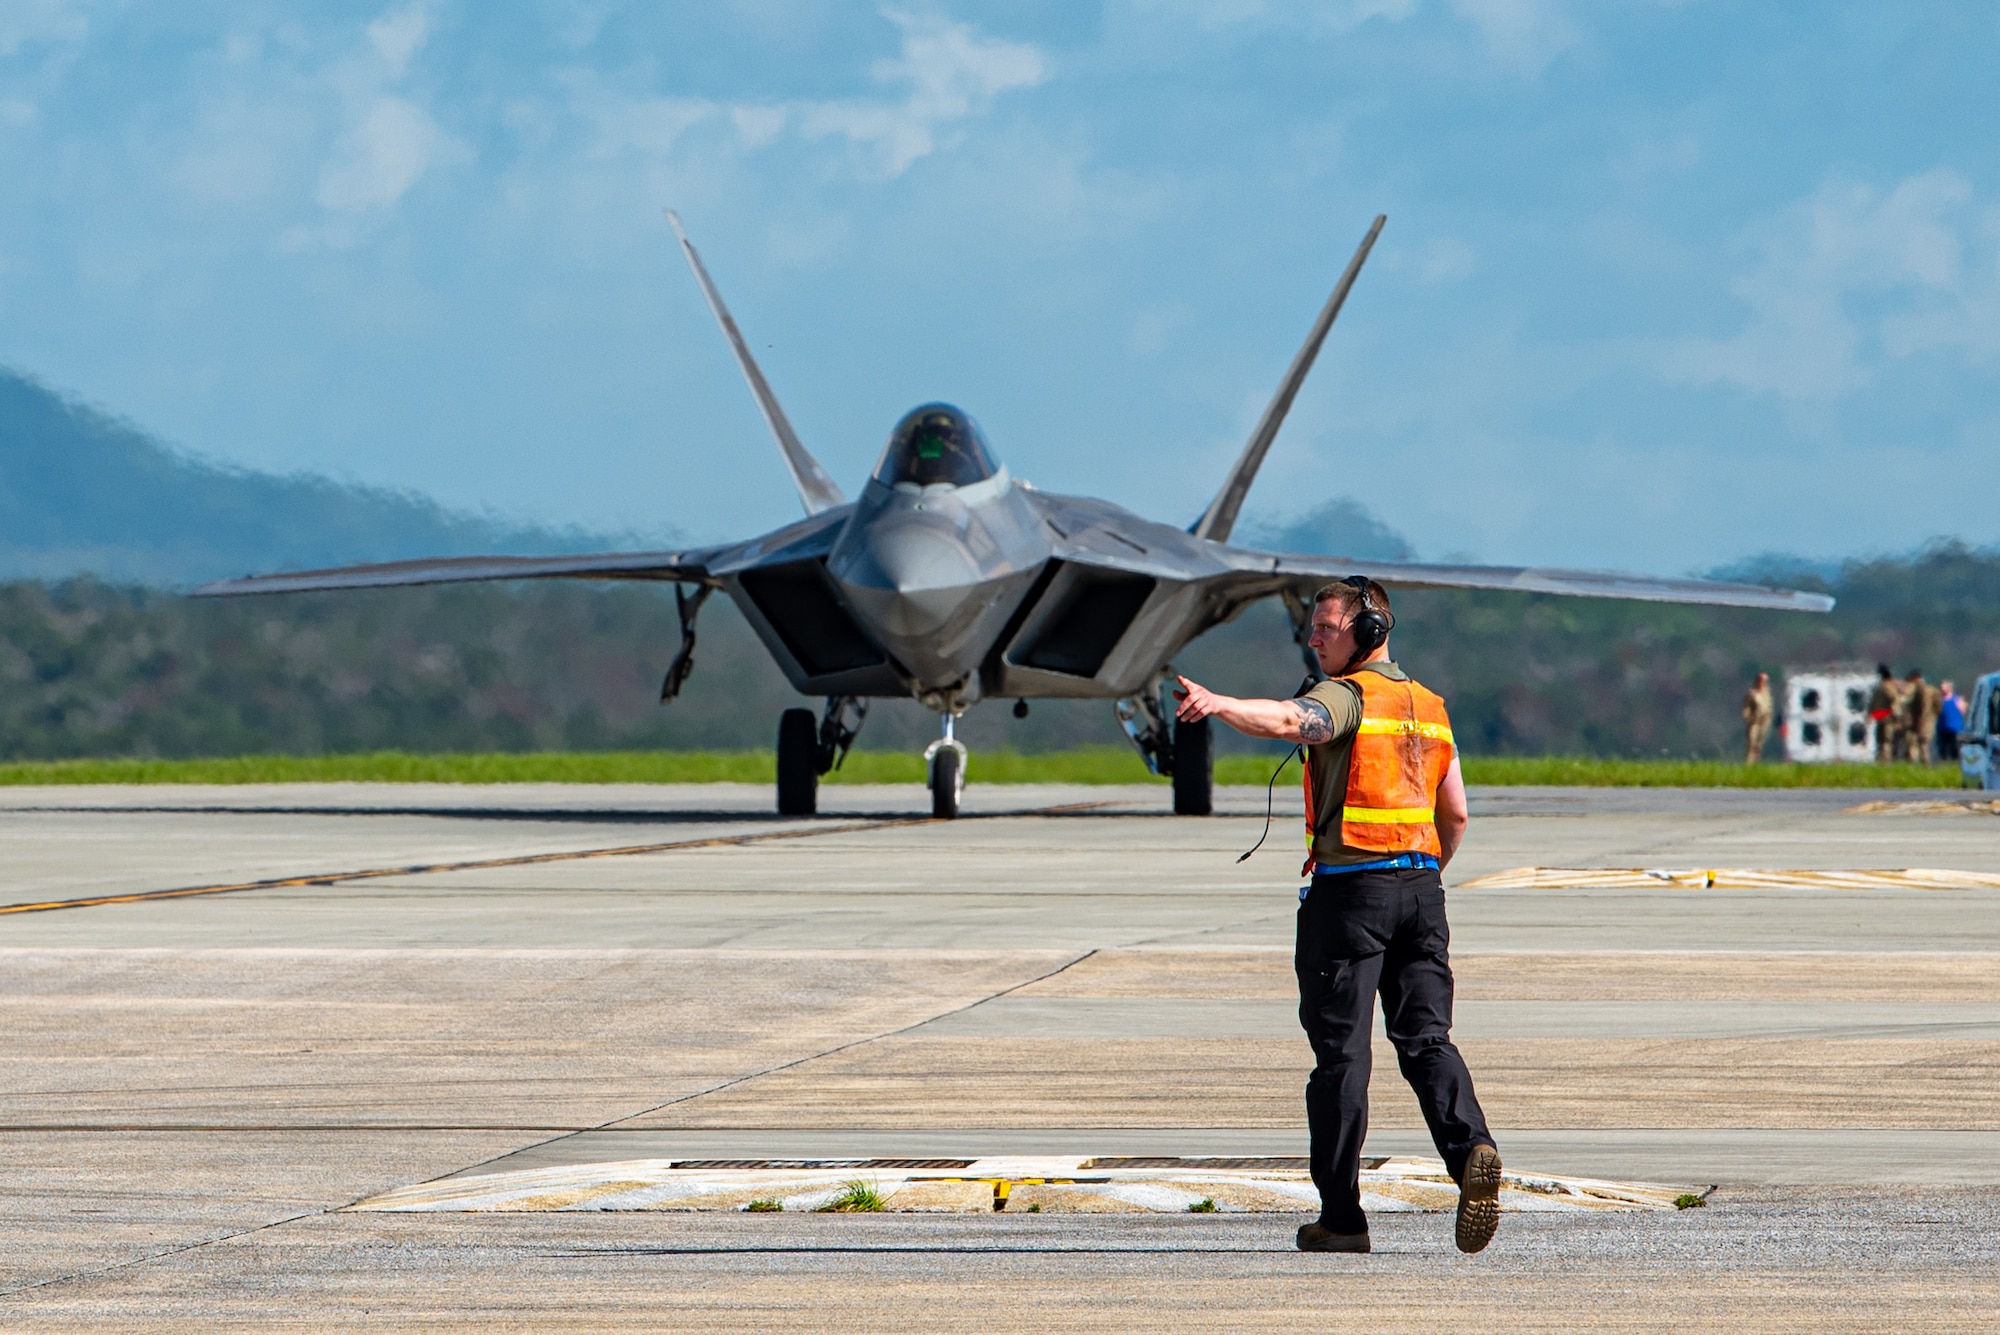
point(816, 488)
point(1219, 519)
point(819, 491)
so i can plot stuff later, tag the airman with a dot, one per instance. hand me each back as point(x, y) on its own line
point(1757, 712)
point(1922, 704)
point(1884, 706)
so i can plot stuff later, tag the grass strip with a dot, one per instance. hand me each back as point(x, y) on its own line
point(1085, 765)
point(1105, 764)
point(1589, 772)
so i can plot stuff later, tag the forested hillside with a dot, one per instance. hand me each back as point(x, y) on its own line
point(83, 491)
point(89, 669)
point(1578, 676)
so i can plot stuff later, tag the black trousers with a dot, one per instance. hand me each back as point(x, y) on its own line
point(1360, 933)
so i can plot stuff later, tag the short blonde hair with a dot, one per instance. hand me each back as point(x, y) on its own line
point(1349, 596)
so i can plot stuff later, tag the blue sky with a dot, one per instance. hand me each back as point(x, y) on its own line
point(1663, 284)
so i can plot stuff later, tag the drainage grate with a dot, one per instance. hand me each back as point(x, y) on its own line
point(822, 1163)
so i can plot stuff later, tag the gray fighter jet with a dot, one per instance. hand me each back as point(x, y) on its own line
point(951, 581)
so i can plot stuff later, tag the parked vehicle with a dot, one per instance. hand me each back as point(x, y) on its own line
point(1978, 766)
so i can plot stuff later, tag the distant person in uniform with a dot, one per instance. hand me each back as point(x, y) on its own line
point(1883, 703)
point(1922, 703)
point(1904, 719)
point(1757, 714)
point(1900, 721)
point(1907, 706)
point(1385, 810)
point(1951, 721)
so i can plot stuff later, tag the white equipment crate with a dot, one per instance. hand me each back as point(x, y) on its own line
point(1826, 716)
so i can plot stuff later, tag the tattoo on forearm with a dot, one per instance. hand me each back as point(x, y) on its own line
point(1315, 724)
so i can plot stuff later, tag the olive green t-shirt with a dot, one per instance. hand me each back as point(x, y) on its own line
point(1327, 763)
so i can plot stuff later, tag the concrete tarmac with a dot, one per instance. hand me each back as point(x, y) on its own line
point(195, 1086)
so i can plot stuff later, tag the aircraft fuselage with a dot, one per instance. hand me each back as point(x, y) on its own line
point(952, 584)
point(934, 572)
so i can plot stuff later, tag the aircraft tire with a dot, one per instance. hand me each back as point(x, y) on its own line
point(1194, 769)
point(798, 763)
point(944, 784)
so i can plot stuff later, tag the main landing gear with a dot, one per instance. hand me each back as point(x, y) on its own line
point(809, 748)
point(1194, 769)
point(1182, 754)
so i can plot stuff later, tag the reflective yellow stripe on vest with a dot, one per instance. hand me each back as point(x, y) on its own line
point(1406, 728)
point(1387, 815)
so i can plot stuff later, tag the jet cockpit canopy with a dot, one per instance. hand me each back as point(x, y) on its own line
point(936, 444)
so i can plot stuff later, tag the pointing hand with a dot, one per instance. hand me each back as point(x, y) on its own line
point(1196, 701)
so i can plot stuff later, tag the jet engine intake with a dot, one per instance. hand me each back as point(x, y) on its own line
point(800, 606)
point(1087, 614)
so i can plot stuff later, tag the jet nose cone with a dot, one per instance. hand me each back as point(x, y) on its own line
point(912, 558)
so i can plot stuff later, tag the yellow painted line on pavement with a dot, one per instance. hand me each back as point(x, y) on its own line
point(1928, 807)
point(525, 860)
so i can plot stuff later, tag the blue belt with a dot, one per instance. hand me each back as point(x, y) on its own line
point(1401, 862)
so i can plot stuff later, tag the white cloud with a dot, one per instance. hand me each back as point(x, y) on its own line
point(1446, 260)
point(952, 73)
point(380, 158)
point(1650, 160)
point(1522, 34)
point(953, 69)
point(1965, 317)
point(1155, 326)
point(26, 21)
point(948, 74)
point(241, 152)
point(1338, 15)
point(650, 126)
point(398, 36)
point(757, 126)
point(1854, 275)
point(387, 141)
point(1438, 260)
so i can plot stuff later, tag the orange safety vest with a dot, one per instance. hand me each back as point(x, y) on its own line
point(1402, 751)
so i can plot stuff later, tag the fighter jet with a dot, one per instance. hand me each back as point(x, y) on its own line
point(950, 581)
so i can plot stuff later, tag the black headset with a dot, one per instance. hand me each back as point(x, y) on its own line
point(1371, 624)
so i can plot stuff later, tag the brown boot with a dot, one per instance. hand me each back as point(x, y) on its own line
point(1479, 1199)
point(1316, 1237)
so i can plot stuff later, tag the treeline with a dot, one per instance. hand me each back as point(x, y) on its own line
point(89, 669)
point(1575, 676)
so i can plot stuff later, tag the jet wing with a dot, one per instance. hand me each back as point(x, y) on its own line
point(1301, 571)
point(1092, 532)
point(689, 565)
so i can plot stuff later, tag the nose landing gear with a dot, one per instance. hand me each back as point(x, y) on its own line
point(944, 763)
